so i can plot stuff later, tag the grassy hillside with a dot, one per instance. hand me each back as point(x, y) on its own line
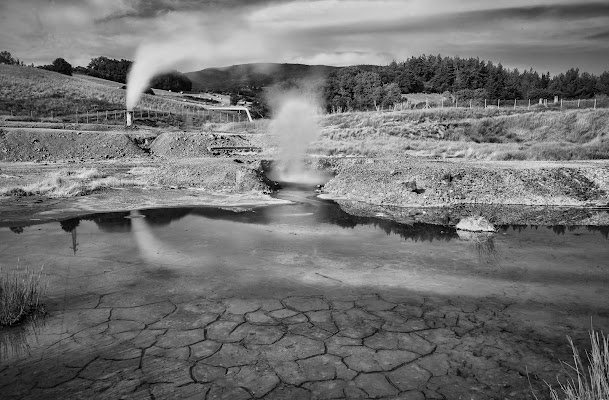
point(253, 75)
point(32, 91)
point(492, 134)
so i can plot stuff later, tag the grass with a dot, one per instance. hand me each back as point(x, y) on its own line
point(69, 183)
point(479, 134)
point(20, 294)
point(591, 383)
point(34, 92)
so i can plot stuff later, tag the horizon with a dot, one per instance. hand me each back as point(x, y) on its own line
point(545, 35)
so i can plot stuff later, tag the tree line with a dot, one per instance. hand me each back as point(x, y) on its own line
point(117, 71)
point(465, 79)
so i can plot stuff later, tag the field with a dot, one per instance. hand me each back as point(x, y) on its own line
point(40, 94)
point(491, 134)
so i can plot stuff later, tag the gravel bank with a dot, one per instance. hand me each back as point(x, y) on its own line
point(416, 183)
point(55, 144)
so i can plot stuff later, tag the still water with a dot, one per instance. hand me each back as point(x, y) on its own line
point(314, 243)
point(264, 302)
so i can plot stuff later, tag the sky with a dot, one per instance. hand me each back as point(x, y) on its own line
point(547, 35)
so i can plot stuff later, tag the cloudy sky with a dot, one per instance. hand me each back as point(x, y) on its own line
point(548, 35)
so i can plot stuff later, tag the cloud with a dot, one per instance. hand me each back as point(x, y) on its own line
point(336, 32)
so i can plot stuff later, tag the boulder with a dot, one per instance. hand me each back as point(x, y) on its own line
point(475, 224)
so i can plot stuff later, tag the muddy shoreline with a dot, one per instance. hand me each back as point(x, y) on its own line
point(538, 193)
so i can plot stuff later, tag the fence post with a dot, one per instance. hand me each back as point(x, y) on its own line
point(97, 117)
point(470, 104)
point(560, 103)
point(529, 107)
point(498, 100)
point(484, 103)
point(514, 104)
point(578, 100)
point(595, 104)
point(87, 117)
point(442, 102)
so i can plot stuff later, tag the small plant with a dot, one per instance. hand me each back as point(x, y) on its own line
point(20, 293)
point(592, 384)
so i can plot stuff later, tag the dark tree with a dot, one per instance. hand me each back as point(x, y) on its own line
point(108, 68)
point(234, 98)
point(59, 65)
point(7, 58)
point(174, 81)
point(62, 66)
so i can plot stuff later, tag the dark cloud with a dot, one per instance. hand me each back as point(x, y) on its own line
point(470, 20)
point(155, 8)
point(599, 36)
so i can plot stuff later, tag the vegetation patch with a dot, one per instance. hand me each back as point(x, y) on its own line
point(70, 183)
point(20, 295)
point(590, 383)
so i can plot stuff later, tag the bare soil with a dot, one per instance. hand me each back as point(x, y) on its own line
point(190, 160)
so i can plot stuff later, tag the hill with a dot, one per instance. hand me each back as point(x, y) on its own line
point(253, 75)
point(40, 93)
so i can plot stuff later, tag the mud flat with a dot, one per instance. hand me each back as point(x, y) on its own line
point(276, 302)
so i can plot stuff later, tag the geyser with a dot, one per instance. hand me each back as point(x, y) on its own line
point(295, 126)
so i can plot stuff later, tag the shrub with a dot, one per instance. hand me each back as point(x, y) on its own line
point(20, 293)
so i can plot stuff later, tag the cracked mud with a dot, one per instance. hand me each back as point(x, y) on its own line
point(306, 347)
point(269, 303)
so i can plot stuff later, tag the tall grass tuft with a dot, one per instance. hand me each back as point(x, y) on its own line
point(20, 293)
point(70, 183)
point(592, 384)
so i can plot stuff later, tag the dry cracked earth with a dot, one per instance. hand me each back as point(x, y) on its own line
point(318, 347)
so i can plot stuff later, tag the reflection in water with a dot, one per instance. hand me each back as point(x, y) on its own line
point(560, 229)
point(15, 340)
point(16, 229)
point(483, 243)
point(70, 225)
point(151, 249)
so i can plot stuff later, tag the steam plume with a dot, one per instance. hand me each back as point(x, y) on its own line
point(198, 43)
point(295, 125)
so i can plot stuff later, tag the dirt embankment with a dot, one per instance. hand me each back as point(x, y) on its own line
point(55, 145)
point(196, 144)
point(416, 183)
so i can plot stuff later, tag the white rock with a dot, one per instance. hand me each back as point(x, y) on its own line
point(475, 224)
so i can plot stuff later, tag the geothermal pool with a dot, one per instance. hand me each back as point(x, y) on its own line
point(298, 301)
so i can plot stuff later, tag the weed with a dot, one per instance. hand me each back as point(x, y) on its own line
point(591, 383)
point(69, 183)
point(20, 293)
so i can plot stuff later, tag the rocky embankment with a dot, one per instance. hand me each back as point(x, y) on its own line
point(26, 144)
point(417, 183)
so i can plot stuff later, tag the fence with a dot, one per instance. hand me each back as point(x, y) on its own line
point(515, 104)
point(187, 117)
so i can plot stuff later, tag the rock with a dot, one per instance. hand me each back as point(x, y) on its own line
point(475, 224)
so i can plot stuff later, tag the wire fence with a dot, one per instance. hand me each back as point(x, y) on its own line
point(516, 104)
point(187, 117)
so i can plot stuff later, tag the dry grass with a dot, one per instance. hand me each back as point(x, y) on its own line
point(24, 90)
point(20, 294)
point(591, 383)
point(70, 183)
point(482, 134)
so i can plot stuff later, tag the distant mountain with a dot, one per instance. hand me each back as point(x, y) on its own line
point(253, 75)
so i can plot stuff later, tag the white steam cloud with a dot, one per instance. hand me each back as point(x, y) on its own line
point(295, 126)
point(217, 41)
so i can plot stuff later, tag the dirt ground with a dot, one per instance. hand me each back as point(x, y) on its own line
point(194, 162)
